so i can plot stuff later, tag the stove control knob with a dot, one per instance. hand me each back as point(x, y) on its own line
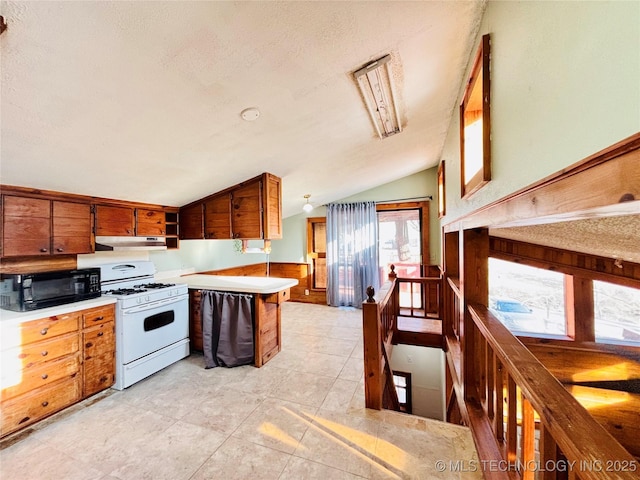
point(138, 300)
point(147, 298)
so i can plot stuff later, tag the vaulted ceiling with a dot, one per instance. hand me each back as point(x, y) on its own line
point(141, 100)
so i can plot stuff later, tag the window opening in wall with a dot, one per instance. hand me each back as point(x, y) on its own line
point(527, 299)
point(402, 382)
point(400, 244)
point(616, 312)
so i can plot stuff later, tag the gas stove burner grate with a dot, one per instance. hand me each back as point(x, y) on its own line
point(125, 291)
point(155, 285)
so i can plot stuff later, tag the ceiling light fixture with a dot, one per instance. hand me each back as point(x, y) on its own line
point(250, 114)
point(376, 85)
point(307, 207)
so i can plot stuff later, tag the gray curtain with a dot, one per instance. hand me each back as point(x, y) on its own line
point(227, 328)
point(352, 252)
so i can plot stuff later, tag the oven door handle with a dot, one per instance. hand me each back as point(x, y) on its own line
point(156, 304)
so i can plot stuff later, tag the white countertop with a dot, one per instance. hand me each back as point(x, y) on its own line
point(236, 284)
point(8, 316)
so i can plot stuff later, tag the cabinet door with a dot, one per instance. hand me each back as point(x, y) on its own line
point(246, 220)
point(192, 222)
point(150, 223)
point(99, 358)
point(114, 221)
point(26, 226)
point(71, 228)
point(272, 206)
point(217, 217)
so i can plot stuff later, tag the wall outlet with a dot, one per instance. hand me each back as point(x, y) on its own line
point(306, 291)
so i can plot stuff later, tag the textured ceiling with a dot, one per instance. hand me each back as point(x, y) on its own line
point(613, 237)
point(141, 100)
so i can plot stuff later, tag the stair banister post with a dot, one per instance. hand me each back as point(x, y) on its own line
point(372, 342)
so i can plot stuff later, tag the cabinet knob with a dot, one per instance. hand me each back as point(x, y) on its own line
point(45, 376)
point(89, 345)
point(43, 250)
point(100, 318)
point(100, 334)
point(45, 403)
point(44, 331)
point(60, 249)
point(236, 206)
point(44, 353)
point(128, 231)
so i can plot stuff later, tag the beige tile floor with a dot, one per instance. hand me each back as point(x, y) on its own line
point(301, 416)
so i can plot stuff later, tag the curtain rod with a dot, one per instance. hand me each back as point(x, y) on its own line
point(426, 197)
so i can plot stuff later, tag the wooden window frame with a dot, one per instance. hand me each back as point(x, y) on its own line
point(406, 407)
point(479, 73)
point(442, 197)
point(424, 223)
point(311, 254)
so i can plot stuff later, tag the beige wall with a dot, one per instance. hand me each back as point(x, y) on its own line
point(565, 83)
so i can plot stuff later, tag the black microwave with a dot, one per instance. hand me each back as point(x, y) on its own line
point(24, 292)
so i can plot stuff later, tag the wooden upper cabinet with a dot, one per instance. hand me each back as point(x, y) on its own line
point(37, 226)
point(151, 223)
point(246, 211)
point(251, 210)
point(26, 226)
point(192, 222)
point(115, 221)
point(71, 228)
point(272, 201)
point(217, 217)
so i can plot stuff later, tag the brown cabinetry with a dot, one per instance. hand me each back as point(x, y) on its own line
point(40, 367)
point(71, 228)
point(192, 222)
point(249, 210)
point(45, 368)
point(151, 223)
point(217, 217)
point(98, 349)
point(37, 226)
point(115, 221)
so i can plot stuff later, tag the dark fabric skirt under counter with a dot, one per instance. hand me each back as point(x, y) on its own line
point(227, 328)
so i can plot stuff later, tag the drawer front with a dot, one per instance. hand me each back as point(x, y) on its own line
point(39, 376)
point(33, 354)
point(98, 315)
point(99, 373)
point(27, 409)
point(99, 340)
point(42, 329)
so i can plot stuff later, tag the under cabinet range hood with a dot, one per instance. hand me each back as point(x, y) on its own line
point(105, 244)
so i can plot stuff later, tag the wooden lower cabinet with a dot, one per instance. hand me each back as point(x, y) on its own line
point(46, 368)
point(98, 350)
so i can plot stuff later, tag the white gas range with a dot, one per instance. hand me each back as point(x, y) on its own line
point(152, 320)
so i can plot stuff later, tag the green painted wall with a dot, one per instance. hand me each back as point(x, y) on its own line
point(565, 83)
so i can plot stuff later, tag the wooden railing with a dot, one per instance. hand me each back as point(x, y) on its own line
point(379, 322)
point(510, 400)
point(420, 297)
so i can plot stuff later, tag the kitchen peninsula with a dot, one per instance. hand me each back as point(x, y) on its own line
point(269, 294)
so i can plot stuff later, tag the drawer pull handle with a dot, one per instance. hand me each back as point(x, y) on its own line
point(99, 319)
point(89, 344)
point(45, 403)
point(45, 376)
point(44, 353)
point(44, 331)
point(100, 334)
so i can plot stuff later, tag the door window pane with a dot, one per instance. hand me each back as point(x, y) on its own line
point(527, 299)
point(617, 312)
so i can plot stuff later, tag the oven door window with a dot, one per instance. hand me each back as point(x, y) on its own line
point(159, 320)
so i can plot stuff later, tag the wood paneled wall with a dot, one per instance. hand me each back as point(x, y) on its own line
point(299, 271)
